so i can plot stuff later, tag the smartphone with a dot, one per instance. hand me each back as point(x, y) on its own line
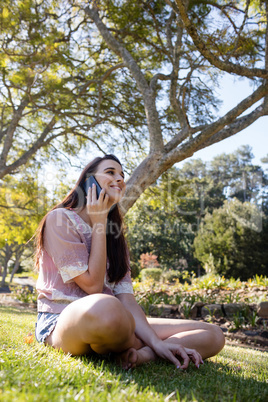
point(89, 182)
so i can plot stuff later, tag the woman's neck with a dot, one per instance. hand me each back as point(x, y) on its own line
point(84, 215)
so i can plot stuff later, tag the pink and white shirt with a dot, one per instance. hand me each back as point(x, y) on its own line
point(67, 244)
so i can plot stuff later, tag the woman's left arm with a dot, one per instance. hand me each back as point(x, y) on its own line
point(145, 332)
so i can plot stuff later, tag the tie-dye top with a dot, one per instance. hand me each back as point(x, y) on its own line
point(67, 244)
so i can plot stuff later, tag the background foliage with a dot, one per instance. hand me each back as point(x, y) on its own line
point(209, 215)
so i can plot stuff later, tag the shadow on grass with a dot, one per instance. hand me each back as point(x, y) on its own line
point(211, 382)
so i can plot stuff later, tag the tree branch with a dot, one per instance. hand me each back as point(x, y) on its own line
point(174, 100)
point(11, 130)
point(156, 139)
point(156, 77)
point(266, 52)
point(181, 136)
point(169, 32)
point(2, 131)
point(240, 30)
point(162, 45)
point(25, 157)
point(40, 142)
point(201, 46)
point(53, 137)
point(84, 87)
point(138, 182)
point(238, 125)
point(196, 143)
point(222, 7)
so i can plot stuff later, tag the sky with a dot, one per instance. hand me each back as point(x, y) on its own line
point(232, 91)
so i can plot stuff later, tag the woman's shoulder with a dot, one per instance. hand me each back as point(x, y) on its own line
point(58, 215)
point(57, 211)
point(67, 217)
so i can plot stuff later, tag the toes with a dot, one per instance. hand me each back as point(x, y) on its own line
point(132, 356)
point(128, 359)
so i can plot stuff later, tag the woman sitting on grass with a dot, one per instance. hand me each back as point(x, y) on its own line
point(85, 296)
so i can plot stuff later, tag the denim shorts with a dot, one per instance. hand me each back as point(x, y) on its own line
point(45, 324)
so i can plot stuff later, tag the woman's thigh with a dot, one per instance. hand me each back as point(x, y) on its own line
point(92, 320)
point(166, 327)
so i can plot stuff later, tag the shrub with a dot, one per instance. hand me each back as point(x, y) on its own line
point(210, 281)
point(148, 260)
point(134, 267)
point(151, 273)
point(232, 241)
point(25, 294)
point(171, 275)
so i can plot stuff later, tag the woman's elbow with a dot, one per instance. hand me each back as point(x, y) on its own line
point(88, 286)
point(92, 290)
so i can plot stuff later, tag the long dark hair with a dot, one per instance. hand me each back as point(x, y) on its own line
point(117, 251)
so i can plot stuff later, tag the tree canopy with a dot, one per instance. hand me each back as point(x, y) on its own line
point(21, 209)
point(138, 77)
point(203, 213)
point(233, 239)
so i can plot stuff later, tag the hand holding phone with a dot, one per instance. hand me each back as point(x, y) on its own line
point(89, 183)
point(96, 211)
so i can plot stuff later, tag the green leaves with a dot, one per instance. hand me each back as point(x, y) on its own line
point(168, 216)
point(21, 210)
point(234, 238)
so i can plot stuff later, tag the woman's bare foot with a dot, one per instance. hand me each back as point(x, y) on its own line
point(127, 359)
point(132, 358)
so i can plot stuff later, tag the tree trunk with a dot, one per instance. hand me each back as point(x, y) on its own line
point(8, 255)
point(16, 265)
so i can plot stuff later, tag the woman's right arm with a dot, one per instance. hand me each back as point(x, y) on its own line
point(92, 280)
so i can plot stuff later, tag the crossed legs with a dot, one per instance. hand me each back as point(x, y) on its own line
point(100, 323)
point(207, 339)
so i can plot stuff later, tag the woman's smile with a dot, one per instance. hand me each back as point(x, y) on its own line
point(116, 188)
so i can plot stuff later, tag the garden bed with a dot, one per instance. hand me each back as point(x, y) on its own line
point(239, 308)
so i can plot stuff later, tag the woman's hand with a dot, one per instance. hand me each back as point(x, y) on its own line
point(170, 351)
point(97, 208)
point(96, 213)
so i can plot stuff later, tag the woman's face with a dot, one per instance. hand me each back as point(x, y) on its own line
point(110, 176)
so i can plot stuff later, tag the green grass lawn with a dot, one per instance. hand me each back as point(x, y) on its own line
point(32, 372)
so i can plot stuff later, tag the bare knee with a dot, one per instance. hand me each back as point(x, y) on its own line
point(217, 339)
point(118, 322)
point(113, 324)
